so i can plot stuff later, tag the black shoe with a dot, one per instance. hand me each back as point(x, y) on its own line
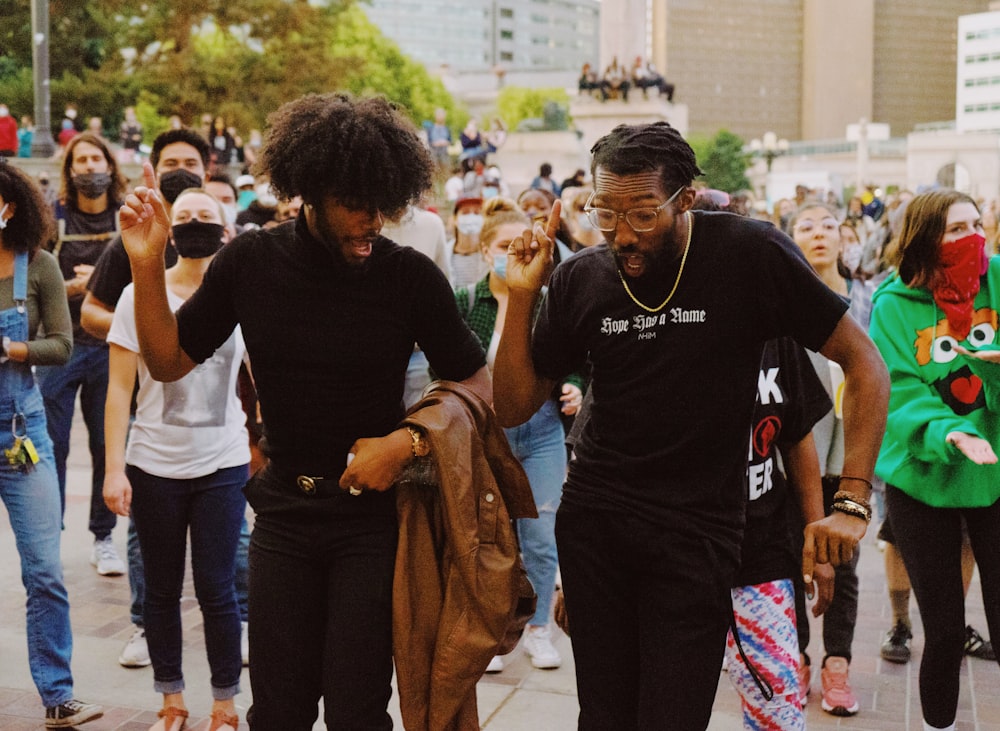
point(896, 645)
point(976, 646)
point(71, 713)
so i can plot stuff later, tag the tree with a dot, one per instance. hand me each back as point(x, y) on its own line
point(517, 104)
point(723, 161)
point(190, 57)
point(375, 64)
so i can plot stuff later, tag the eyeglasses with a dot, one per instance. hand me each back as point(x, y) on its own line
point(828, 225)
point(640, 219)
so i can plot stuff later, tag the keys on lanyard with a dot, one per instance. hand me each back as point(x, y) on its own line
point(22, 453)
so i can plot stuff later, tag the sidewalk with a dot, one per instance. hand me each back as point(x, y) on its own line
point(520, 698)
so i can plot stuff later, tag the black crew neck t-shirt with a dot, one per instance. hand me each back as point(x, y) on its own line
point(674, 391)
point(329, 343)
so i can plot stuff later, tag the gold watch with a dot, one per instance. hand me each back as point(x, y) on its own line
point(420, 447)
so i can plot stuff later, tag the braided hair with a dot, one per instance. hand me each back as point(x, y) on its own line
point(639, 148)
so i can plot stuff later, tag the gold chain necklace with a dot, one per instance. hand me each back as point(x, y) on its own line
point(687, 248)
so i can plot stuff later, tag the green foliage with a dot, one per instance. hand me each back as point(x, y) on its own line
point(376, 65)
point(723, 161)
point(516, 104)
point(191, 57)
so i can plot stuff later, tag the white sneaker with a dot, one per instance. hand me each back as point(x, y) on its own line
point(135, 654)
point(105, 558)
point(538, 645)
point(496, 665)
point(245, 644)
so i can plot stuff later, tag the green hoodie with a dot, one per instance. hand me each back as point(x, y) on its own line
point(936, 391)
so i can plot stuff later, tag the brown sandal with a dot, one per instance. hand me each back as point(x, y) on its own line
point(221, 720)
point(169, 714)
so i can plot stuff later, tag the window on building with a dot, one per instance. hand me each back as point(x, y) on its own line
point(506, 12)
point(506, 56)
point(507, 35)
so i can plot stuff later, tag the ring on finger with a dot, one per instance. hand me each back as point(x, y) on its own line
point(355, 491)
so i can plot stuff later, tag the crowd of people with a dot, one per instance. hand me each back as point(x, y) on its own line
point(686, 393)
point(616, 81)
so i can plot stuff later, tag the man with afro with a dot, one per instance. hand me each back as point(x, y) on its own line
point(330, 311)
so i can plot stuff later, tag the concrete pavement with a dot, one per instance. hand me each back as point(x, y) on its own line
point(520, 698)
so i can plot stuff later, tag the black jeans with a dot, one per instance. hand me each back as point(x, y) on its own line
point(648, 609)
point(842, 614)
point(320, 611)
point(930, 542)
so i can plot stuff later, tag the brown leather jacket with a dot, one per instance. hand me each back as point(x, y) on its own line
point(460, 594)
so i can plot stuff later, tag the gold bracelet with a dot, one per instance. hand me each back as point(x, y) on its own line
point(845, 495)
point(849, 507)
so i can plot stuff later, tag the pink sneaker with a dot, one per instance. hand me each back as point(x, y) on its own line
point(838, 698)
point(805, 679)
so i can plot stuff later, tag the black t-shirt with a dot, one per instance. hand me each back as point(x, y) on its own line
point(71, 253)
point(674, 391)
point(790, 400)
point(329, 343)
point(113, 273)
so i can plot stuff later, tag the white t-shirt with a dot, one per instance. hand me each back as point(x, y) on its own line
point(191, 427)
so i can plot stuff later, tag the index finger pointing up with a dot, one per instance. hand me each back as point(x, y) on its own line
point(552, 226)
point(148, 175)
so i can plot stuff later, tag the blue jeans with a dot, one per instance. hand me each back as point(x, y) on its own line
point(164, 510)
point(137, 575)
point(86, 372)
point(32, 502)
point(540, 446)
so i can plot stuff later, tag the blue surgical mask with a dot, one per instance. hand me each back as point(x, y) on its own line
point(500, 265)
point(490, 192)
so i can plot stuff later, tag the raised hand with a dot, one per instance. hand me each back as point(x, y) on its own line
point(145, 225)
point(529, 256)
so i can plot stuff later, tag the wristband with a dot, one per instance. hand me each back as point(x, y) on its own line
point(851, 497)
point(857, 479)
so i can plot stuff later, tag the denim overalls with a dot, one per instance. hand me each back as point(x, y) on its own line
point(32, 501)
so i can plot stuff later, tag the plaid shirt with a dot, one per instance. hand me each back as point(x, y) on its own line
point(480, 312)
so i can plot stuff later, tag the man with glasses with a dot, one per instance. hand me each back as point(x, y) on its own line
point(672, 314)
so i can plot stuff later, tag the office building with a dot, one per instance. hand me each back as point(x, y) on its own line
point(805, 69)
point(482, 35)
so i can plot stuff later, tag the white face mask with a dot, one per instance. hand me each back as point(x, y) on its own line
point(4, 111)
point(230, 210)
point(469, 223)
point(852, 256)
point(583, 222)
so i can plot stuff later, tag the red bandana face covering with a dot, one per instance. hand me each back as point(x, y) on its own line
point(962, 263)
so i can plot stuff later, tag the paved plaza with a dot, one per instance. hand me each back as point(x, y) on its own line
point(520, 698)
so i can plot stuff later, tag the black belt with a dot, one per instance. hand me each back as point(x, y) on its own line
point(316, 485)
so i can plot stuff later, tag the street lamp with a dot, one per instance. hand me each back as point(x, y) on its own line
point(42, 144)
point(769, 147)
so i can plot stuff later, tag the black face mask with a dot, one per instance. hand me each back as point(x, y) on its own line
point(175, 182)
point(92, 185)
point(196, 239)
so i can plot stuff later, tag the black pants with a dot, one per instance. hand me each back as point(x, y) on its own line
point(842, 614)
point(320, 616)
point(648, 610)
point(930, 542)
